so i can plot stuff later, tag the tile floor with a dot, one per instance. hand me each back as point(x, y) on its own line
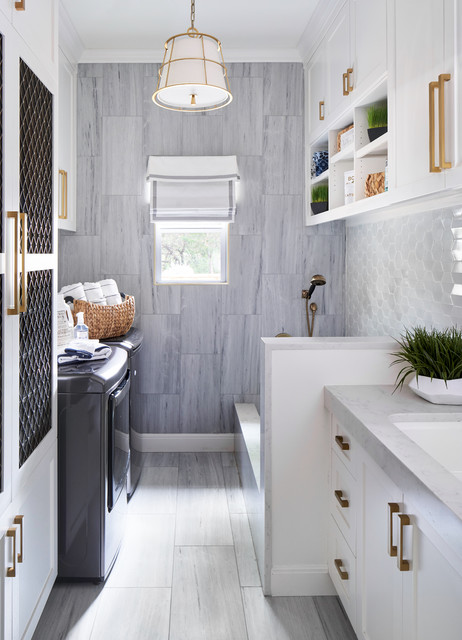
point(187, 569)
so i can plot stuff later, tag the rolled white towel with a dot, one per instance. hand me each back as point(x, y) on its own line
point(83, 351)
point(110, 291)
point(94, 293)
point(75, 291)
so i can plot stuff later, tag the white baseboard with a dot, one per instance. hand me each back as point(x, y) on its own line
point(182, 442)
point(303, 580)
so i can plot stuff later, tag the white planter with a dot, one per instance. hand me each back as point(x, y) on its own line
point(436, 390)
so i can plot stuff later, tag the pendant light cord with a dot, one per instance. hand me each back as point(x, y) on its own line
point(193, 13)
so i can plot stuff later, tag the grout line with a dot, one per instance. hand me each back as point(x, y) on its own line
point(174, 547)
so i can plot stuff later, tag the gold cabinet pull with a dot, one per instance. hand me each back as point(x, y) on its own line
point(341, 572)
point(404, 521)
point(345, 84)
point(343, 502)
point(321, 110)
point(23, 304)
point(11, 571)
point(431, 94)
point(62, 214)
point(14, 215)
point(344, 446)
point(19, 520)
point(20, 6)
point(349, 85)
point(392, 548)
point(442, 78)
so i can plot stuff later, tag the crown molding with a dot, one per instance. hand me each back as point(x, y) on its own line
point(156, 55)
point(69, 41)
point(315, 29)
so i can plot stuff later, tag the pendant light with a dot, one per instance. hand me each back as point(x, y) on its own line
point(193, 75)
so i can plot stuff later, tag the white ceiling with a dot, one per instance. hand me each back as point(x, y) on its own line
point(249, 25)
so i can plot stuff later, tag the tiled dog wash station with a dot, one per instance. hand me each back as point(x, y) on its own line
point(254, 431)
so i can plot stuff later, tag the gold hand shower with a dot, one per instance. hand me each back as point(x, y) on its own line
point(316, 281)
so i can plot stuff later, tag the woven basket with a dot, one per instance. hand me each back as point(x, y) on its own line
point(106, 321)
point(375, 183)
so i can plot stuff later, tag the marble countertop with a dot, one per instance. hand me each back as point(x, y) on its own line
point(367, 413)
point(384, 342)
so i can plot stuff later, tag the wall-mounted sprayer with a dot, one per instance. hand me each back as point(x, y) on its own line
point(316, 281)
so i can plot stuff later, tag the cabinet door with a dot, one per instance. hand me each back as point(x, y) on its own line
point(338, 60)
point(419, 33)
point(370, 42)
point(37, 25)
point(453, 91)
point(67, 151)
point(380, 582)
point(315, 92)
point(432, 590)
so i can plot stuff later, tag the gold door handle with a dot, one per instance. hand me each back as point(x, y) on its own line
point(62, 215)
point(321, 110)
point(444, 77)
point(343, 502)
point(13, 215)
point(404, 521)
point(349, 85)
point(431, 94)
point(11, 571)
point(19, 520)
point(345, 84)
point(20, 6)
point(342, 573)
point(392, 548)
point(344, 446)
point(23, 304)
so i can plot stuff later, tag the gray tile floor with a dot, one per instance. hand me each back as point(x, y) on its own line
point(187, 569)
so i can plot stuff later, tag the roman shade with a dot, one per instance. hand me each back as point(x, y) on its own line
point(192, 188)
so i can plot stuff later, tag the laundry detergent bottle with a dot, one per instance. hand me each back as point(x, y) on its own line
point(65, 322)
point(80, 329)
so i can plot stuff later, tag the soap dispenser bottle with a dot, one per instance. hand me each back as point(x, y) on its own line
point(80, 329)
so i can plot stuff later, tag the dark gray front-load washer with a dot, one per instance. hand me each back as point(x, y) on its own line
point(132, 342)
point(93, 457)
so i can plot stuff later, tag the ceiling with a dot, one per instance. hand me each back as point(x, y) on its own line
point(249, 25)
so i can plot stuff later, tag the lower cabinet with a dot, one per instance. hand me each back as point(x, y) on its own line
point(396, 577)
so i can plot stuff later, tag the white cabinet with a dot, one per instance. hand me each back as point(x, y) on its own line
point(67, 147)
point(37, 25)
point(369, 35)
point(339, 63)
point(28, 381)
point(315, 87)
point(401, 579)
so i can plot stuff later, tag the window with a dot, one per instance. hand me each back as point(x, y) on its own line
point(191, 253)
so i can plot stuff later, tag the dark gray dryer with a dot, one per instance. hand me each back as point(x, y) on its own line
point(132, 342)
point(93, 458)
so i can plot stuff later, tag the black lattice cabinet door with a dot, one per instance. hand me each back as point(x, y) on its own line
point(36, 159)
point(35, 370)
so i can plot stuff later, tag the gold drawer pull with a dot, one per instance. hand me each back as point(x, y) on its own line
point(349, 85)
point(442, 78)
point(11, 571)
point(345, 84)
point(404, 521)
point(432, 88)
point(321, 110)
point(338, 565)
point(392, 548)
point(344, 503)
point(20, 6)
point(344, 446)
point(19, 520)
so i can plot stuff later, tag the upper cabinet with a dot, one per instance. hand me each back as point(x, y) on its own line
point(37, 25)
point(316, 90)
point(66, 174)
point(339, 62)
point(369, 34)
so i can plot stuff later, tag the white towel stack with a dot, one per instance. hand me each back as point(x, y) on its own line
point(110, 291)
point(104, 292)
point(94, 293)
point(84, 351)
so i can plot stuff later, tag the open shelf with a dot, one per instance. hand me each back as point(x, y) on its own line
point(321, 178)
point(344, 154)
point(379, 147)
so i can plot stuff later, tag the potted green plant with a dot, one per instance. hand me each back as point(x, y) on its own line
point(435, 359)
point(319, 198)
point(377, 121)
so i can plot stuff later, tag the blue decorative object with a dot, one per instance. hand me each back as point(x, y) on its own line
point(319, 163)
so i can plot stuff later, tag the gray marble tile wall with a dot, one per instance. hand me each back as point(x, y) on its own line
point(201, 349)
point(400, 273)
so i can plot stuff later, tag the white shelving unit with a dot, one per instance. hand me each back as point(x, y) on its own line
point(361, 156)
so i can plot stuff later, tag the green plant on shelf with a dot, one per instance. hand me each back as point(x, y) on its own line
point(377, 116)
point(434, 354)
point(319, 193)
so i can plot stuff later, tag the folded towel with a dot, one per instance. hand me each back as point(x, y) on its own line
point(84, 351)
point(110, 291)
point(75, 291)
point(94, 293)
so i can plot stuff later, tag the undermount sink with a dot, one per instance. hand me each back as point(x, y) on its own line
point(439, 435)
